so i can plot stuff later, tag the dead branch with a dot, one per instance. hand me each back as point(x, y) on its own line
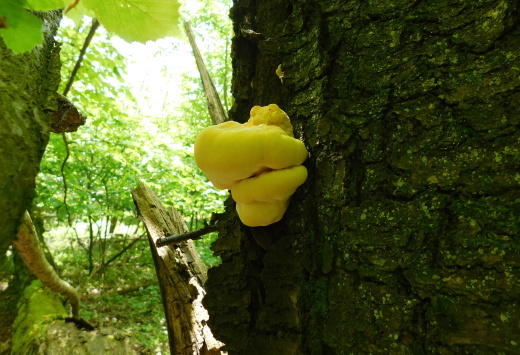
point(28, 245)
point(216, 111)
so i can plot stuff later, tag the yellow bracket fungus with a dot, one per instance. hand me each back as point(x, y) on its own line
point(259, 161)
point(270, 115)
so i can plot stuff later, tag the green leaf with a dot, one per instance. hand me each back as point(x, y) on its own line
point(12, 10)
point(138, 20)
point(44, 5)
point(26, 35)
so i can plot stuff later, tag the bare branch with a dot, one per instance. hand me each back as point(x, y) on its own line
point(177, 238)
point(28, 245)
point(93, 28)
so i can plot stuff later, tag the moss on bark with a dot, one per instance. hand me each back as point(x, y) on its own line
point(38, 308)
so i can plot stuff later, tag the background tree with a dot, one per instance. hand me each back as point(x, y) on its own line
point(405, 238)
point(27, 97)
point(29, 83)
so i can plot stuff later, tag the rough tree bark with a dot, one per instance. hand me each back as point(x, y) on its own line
point(28, 84)
point(405, 239)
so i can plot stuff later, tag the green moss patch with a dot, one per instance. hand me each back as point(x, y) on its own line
point(38, 308)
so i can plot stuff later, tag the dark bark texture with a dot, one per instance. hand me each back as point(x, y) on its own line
point(405, 239)
point(28, 84)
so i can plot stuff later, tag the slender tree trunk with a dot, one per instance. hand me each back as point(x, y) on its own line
point(405, 238)
point(91, 242)
point(28, 84)
point(215, 108)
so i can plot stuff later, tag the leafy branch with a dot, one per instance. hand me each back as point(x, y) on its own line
point(133, 21)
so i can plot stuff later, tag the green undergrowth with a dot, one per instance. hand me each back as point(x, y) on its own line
point(38, 307)
point(138, 313)
point(126, 294)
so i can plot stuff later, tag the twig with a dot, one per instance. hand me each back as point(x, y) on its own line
point(177, 238)
point(93, 28)
point(145, 284)
point(65, 188)
point(128, 246)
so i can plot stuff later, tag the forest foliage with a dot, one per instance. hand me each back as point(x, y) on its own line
point(86, 177)
point(150, 20)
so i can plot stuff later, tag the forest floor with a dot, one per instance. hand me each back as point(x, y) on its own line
point(125, 295)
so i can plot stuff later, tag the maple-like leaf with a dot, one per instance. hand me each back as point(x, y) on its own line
point(44, 5)
point(137, 20)
point(25, 35)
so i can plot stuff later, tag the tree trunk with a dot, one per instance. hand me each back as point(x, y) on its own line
point(28, 84)
point(405, 238)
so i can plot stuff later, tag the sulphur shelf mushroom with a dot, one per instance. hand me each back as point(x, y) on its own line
point(259, 161)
